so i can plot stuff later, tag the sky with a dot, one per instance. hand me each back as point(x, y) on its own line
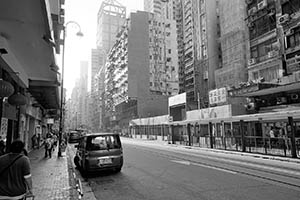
point(77, 49)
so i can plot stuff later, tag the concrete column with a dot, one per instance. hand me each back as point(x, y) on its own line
point(210, 128)
point(243, 135)
point(223, 133)
point(189, 133)
point(291, 132)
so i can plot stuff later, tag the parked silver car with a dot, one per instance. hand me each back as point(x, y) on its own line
point(99, 151)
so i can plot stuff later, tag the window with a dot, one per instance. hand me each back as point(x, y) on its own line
point(290, 7)
point(263, 49)
point(294, 40)
point(169, 50)
point(103, 142)
point(255, 75)
point(262, 25)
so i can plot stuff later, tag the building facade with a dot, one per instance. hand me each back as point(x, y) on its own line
point(265, 60)
point(111, 16)
point(201, 51)
point(153, 6)
point(232, 68)
point(269, 82)
point(29, 96)
point(141, 68)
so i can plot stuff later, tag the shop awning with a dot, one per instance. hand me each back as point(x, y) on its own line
point(26, 34)
point(257, 90)
point(282, 115)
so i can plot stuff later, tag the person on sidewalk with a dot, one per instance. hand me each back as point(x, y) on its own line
point(48, 147)
point(54, 141)
point(15, 175)
point(33, 141)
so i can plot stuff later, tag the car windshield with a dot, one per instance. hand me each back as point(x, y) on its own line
point(103, 142)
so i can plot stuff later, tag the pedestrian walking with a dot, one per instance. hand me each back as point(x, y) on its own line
point(48, 147)
point(34, 141)
point(54, 141)
point(15, 175)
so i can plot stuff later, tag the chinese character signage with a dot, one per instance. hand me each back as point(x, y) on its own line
point(218, 96)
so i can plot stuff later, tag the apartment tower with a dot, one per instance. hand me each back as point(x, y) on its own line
point(111, 16)
point(201, 51)
point(142, 68)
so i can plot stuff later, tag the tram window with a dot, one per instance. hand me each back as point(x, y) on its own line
point(297, 129)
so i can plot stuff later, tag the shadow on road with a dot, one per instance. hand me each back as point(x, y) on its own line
point(104, 173)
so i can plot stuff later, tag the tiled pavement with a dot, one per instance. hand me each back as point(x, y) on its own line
point(50, 176)
point(53, 177)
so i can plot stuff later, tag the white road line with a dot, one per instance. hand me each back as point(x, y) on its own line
point(184, 162)
point(216, 168)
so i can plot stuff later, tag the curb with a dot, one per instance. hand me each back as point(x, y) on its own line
point(81, 188)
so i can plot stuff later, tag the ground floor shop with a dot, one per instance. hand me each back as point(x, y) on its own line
point(25, 123)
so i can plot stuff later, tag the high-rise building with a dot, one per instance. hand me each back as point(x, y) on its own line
point(201, 52)
point(232, 68)
point(111, 16)
point(98, 60)
point(141, 68)
point(265, 59)
point(171, 11)
point(289, 26)
point(82, 111)
point(153, 6)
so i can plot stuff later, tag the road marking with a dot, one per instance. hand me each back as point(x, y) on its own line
point(183, 162)
point(216, 168)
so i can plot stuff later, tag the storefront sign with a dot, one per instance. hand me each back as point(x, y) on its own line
point(244, 90)
point(50, 121)
point(3, 131)
point(177, 99)
point(210, 113)
point(218, 96)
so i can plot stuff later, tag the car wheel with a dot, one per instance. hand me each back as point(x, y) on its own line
point(118, 169)
point(85, 169)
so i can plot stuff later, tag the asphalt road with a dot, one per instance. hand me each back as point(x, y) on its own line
point(162, 172)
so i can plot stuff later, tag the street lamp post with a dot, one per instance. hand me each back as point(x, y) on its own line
point(80, 34)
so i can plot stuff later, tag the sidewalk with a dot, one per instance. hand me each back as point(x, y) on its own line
point(49, 175)
point(53, 177)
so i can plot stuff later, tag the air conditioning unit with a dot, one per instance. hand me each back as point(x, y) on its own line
point(251, 61)
point(271, 54)
point(251, 25)
point(252, 11)
point(294, 96)
point(250, 106)
point(205, 75)
point(289, 32)
point(283, 19)
point(262, 4)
